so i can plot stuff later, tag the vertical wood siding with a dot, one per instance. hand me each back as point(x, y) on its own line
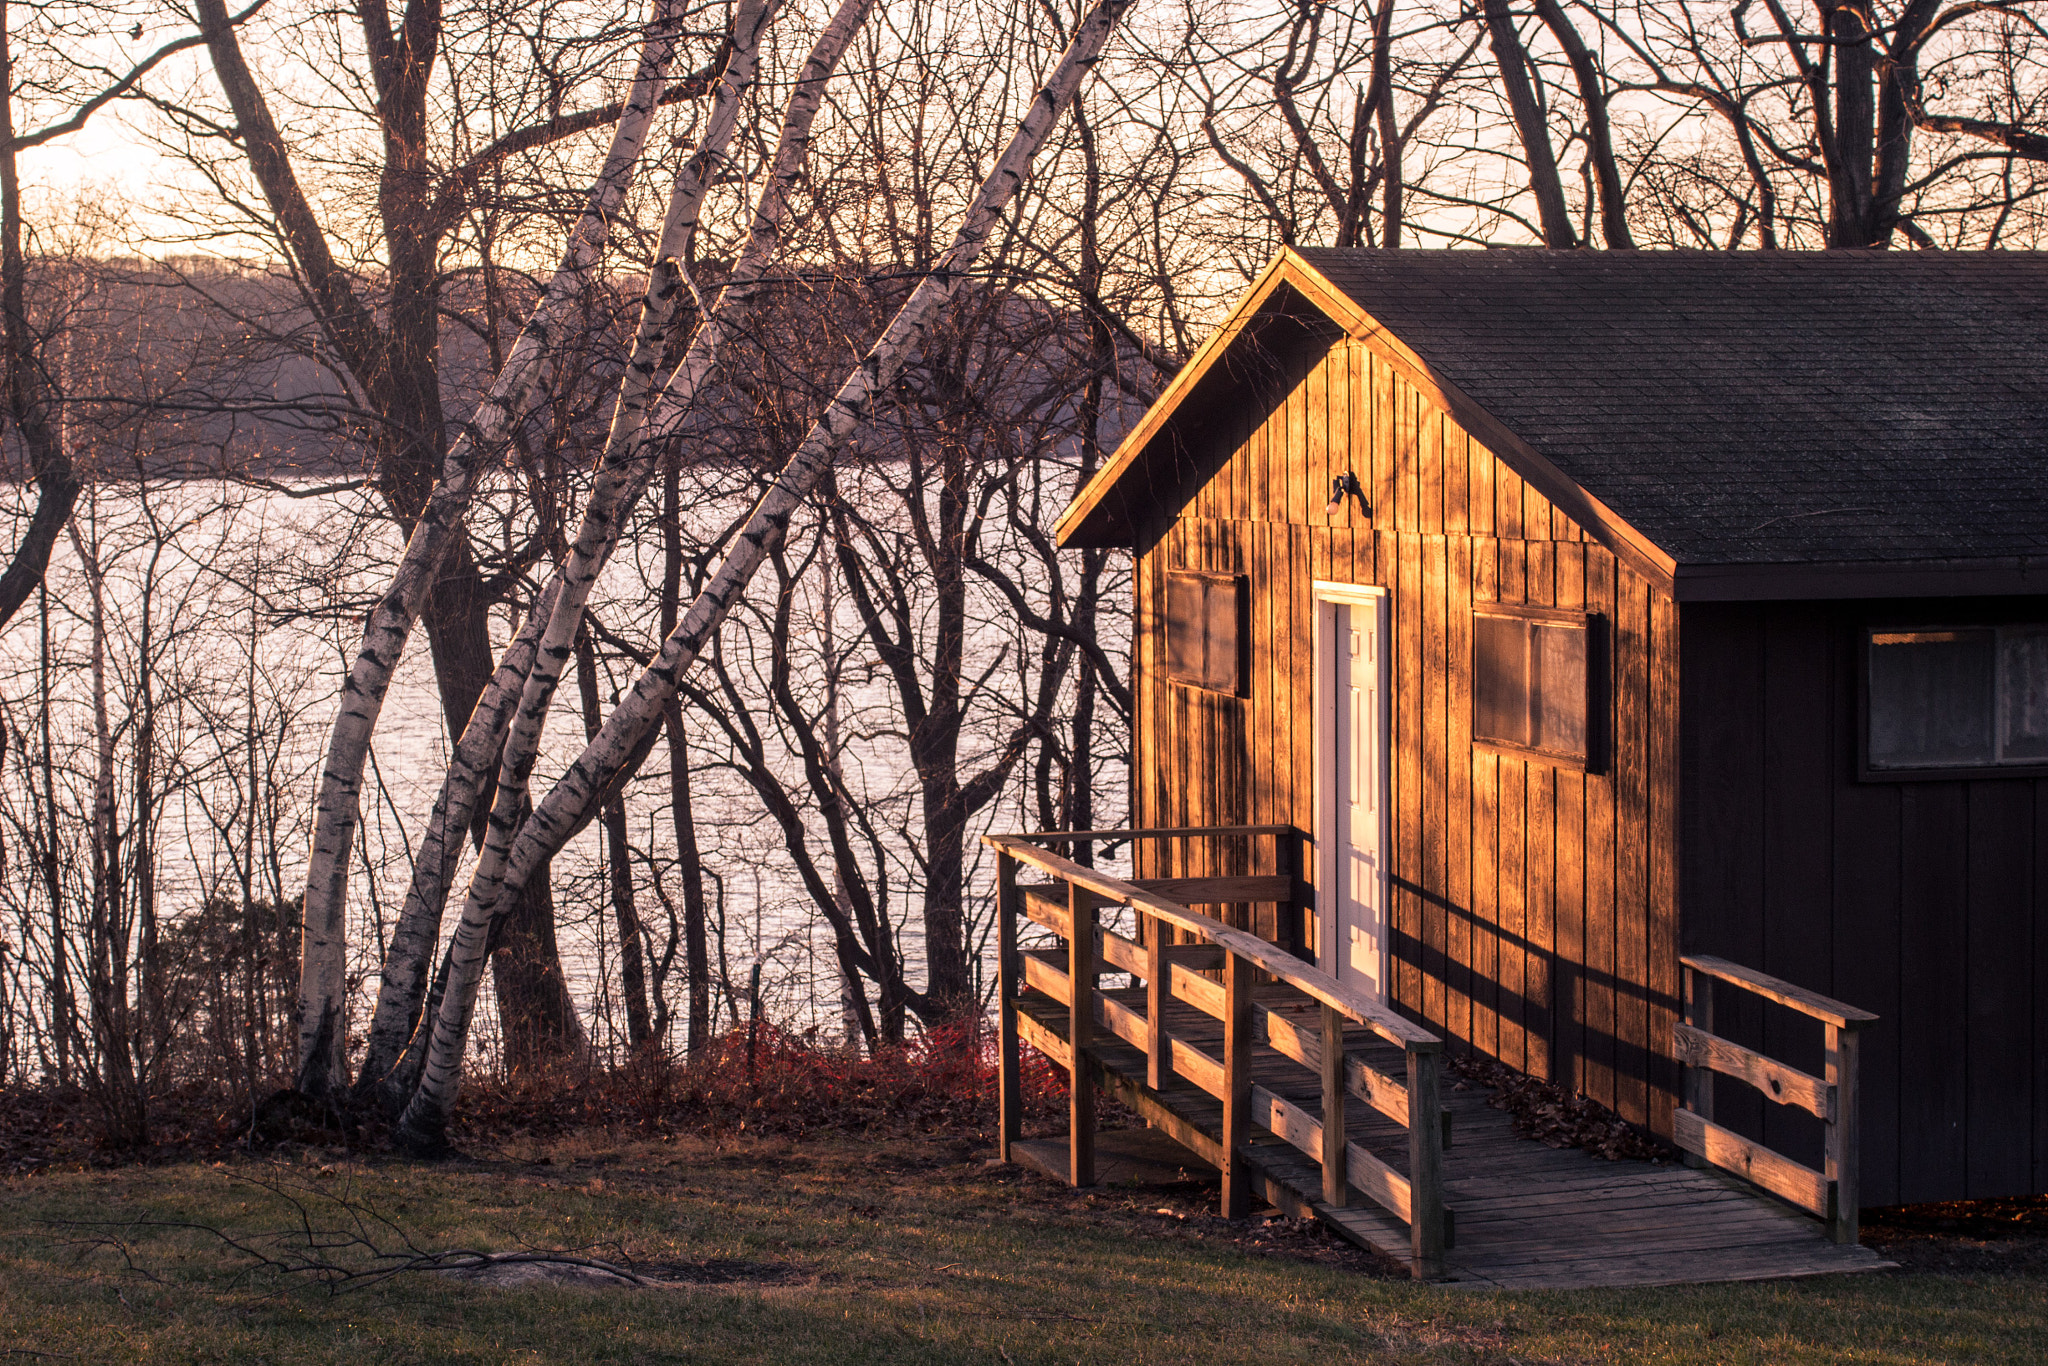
point(1534, 916)
point(1923, 901)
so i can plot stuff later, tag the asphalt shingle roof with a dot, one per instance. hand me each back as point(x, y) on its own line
point(1753, 407)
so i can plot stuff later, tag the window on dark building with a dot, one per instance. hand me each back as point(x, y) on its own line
point(1533, 682)
point(1964, 697)
point(1204, 616)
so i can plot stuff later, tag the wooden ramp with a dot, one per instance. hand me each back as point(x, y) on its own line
point(1521, 1215)
point(1323, 1099)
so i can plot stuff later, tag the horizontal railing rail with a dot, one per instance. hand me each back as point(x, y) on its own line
point(1830, 1194)
point(1239, 840)
point(1161, 832)
point(1069, 906)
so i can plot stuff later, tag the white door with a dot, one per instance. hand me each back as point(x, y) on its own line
point(1357, 775)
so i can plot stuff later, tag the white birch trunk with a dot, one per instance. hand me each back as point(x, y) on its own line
point(622, 476)
point(622, 471)
point(607, 758)
point(764, 236)
point(322, 1003)
point(404, 978)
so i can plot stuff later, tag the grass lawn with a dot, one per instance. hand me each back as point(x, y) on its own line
point(834, 1251)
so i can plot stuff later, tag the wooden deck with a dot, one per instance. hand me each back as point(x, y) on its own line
point(1523, 1216)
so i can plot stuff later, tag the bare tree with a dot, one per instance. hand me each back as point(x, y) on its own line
point(46, 84)
point(622, 743)
point(1817, 108)
point(2009, 48)
point(392, 365)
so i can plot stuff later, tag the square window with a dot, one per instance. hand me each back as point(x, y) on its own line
point(1943, 698)
point(1204, 629)
point(1533, 675)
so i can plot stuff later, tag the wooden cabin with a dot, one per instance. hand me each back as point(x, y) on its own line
point(1587, 610)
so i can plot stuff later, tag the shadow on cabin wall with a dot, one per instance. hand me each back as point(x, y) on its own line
point(1534, 1009)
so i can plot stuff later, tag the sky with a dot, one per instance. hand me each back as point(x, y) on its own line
point(108, 151)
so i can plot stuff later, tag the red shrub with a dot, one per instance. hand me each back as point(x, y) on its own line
point(944, 1081)
point(766, 1080)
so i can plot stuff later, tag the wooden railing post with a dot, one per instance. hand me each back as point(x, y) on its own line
point(1157, 1064)
point(1237, 1085)
point(1080, 1036)
point(1008, 1062)
point(1425, 1161)
point(1296, 940)
point(1244, 959)
point(1336, 1190)
point(1832, 1194)
point(1841, 1166)
point(1699, 1081)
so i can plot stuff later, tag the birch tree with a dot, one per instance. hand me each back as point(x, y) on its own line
point(509, 722)
point(621, 470)
point(621, 744)
point(402, 989)
point(387, 362)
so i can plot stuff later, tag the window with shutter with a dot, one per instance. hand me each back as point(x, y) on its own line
point(1534, 683)
point(1204, 629)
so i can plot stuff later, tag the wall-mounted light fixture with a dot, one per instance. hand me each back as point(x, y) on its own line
point(1345, 486)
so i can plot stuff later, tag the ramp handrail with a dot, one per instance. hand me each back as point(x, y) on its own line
point(1830, 1194)
point(1070, 909)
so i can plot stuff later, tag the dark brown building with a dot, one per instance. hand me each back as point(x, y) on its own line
point(1584, 609)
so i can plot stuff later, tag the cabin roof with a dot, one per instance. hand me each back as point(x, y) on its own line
point(1721, 409)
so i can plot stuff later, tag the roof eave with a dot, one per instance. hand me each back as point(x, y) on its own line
point(1992, 576)
point(1604, 523)
point(1089, 520)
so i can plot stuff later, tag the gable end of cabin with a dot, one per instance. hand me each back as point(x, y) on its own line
point(1532, 914)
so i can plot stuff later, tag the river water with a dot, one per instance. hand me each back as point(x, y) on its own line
point(226, 622)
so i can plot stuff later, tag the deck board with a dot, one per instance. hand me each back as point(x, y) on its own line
point(1525, 1216)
